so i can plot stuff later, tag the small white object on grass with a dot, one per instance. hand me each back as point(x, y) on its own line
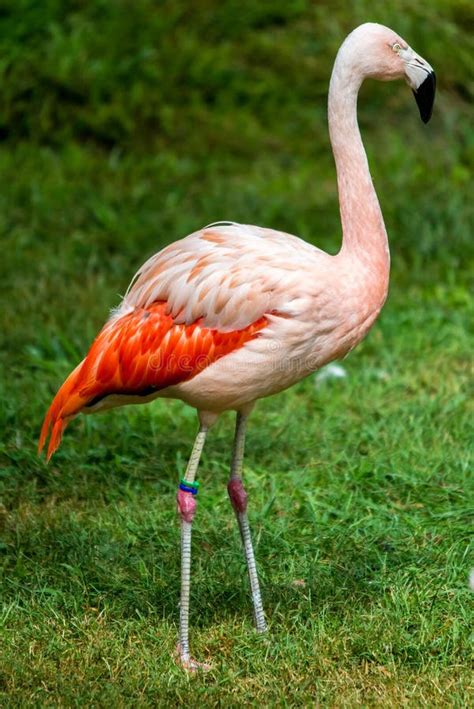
point(471, 580)
point(331, 371)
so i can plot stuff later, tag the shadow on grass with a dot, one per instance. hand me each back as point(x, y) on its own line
point(73, 564)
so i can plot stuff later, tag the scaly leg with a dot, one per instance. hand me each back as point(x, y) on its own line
point(186, 509)
point(238, 498)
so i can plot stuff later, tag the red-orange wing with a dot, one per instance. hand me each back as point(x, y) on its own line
point(139, 353)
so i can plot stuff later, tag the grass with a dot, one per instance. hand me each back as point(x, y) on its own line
point(121, 132)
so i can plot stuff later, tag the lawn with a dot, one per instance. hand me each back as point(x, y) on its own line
point(123, 127)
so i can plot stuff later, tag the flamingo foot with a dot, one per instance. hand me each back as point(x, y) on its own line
point(189, 663)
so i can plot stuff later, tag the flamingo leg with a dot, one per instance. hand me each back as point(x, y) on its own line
point(186, 509)
point(238, 498)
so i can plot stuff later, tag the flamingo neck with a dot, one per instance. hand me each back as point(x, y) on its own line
point(364, 236)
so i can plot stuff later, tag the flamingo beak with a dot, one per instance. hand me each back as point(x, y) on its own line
point(425, 96)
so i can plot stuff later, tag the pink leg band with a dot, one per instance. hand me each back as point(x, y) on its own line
point(237, 494)
point(186, 505)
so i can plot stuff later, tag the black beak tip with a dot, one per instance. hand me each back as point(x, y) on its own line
point(425, 95)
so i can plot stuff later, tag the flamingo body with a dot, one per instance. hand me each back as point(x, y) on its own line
point(220, 319)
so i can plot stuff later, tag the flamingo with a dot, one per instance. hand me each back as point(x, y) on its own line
point(233, 313)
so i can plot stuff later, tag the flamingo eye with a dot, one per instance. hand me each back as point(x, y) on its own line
point(396, 47)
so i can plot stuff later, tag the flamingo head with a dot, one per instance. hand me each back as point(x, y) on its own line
point(378, 52)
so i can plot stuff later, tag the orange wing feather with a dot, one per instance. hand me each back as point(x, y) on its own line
point(139, 353)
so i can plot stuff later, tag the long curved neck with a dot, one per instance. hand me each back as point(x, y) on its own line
point(364, 236)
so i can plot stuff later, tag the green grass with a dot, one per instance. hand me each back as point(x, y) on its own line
point(123, 130)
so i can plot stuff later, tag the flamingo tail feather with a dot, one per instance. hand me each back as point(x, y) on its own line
point(65, 405)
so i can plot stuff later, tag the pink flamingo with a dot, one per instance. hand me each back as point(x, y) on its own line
point(233, 313)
